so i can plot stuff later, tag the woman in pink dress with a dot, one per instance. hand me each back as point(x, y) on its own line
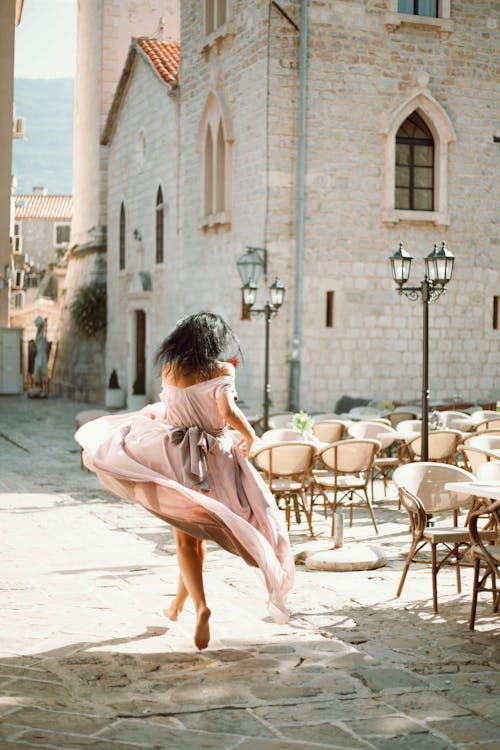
point(178, 459)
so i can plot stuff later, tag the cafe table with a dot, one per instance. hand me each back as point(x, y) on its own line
point(489, 490)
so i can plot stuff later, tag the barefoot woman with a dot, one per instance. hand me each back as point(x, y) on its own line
point(178, 460)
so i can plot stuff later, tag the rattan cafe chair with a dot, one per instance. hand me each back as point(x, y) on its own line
point(350, 466)
point(286, 467)
point(486, 556)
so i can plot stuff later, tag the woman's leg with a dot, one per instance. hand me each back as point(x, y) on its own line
point(182, 593)
point(191, 555)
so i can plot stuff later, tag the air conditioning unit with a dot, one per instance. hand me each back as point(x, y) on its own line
point(17, 246)
point(19, 127)
point(18, 279)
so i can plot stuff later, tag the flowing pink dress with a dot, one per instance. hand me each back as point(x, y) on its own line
point(178, 459)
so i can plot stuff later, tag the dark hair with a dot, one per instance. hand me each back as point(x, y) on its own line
point(196, 343)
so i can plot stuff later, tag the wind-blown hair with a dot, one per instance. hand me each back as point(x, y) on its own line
point(196, 343)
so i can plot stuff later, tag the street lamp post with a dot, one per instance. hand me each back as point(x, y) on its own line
point(438, 271)
point(250, 267)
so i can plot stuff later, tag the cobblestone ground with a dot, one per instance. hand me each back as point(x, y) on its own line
point(87, 659)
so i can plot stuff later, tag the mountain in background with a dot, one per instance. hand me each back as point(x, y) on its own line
point(45, 156)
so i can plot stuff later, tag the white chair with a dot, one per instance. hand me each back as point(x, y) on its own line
point(350, 463)
point(485, 440)
point(286, 467)
point(442, 446)
point(480, 415)
point(279, 435)
point(422, 491)
point(473, 458)
point(456, 420)
point(489, 471)
point(409, 428)
point(329, 430)
point(281, 419)
point(492, 423)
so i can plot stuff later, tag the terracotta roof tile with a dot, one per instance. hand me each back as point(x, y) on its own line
point(38, 206)
point(164, 57)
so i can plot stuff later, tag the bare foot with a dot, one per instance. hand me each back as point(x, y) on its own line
point(173, 611)
point(202, 630)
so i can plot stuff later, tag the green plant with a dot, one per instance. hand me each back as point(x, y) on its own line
point(498, 406)
point(88, 309)
point(302, 421)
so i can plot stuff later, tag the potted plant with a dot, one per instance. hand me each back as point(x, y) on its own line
point(115, 396)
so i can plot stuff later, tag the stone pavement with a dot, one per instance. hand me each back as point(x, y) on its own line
point(87, 660)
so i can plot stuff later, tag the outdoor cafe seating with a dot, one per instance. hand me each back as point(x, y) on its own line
point(349, 464)
point(286, 467)
point(422, 489)
point(486, 556)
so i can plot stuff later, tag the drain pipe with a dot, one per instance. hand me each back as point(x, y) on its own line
point(301, 207)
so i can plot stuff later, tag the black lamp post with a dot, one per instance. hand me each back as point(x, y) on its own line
point(438, 270)
point(250, 266)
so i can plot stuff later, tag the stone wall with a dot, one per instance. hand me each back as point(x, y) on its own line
point(361, 71)
point(148, 110)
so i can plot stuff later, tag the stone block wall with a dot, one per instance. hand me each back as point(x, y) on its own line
point(147, 111)
point(361, 70)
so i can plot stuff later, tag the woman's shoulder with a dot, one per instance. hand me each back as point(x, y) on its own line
point(225, 368)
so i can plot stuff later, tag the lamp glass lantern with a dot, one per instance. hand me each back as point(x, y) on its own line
point(439, 265)
point(401, 265)
point(276, 293)
point(249, 293)
point(250, 267)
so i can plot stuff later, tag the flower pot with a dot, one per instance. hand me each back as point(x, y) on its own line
point(115, 398)
point(136, 401)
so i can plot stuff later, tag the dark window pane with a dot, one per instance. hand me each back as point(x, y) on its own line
point(422, 200)
point(402, 176)
point(423, 177)
point(427, 8)
point(405, 6)
point(402, 198)
point(423, 156)
point(402, 153)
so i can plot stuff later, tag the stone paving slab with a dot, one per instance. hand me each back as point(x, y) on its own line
point(87, 659)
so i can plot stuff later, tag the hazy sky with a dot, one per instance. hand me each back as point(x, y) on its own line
point(45, 45)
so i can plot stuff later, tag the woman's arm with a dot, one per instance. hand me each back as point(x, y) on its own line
point(233, 416)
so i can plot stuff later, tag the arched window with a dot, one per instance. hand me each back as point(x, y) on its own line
point(160, 219)
point(417, 137)
point(214, 143)
point(414, 182)
point(121, 240)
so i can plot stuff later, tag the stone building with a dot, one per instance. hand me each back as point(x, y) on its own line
point(104, 30)
point(326, 133)
point(402, 111)
point(143, 261)
point(42, 226)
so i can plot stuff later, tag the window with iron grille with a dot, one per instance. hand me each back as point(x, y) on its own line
point(414, 166)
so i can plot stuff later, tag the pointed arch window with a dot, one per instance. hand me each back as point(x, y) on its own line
point(214, 143)
point(160, 226)
point(414, 183)
point(418, 135)
point(121, 237)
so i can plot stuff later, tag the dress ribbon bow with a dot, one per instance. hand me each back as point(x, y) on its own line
point(194, 444)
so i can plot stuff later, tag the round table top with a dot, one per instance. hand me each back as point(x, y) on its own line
point(479, 489)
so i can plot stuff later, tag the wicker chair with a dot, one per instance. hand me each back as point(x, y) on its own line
point(486, 556)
